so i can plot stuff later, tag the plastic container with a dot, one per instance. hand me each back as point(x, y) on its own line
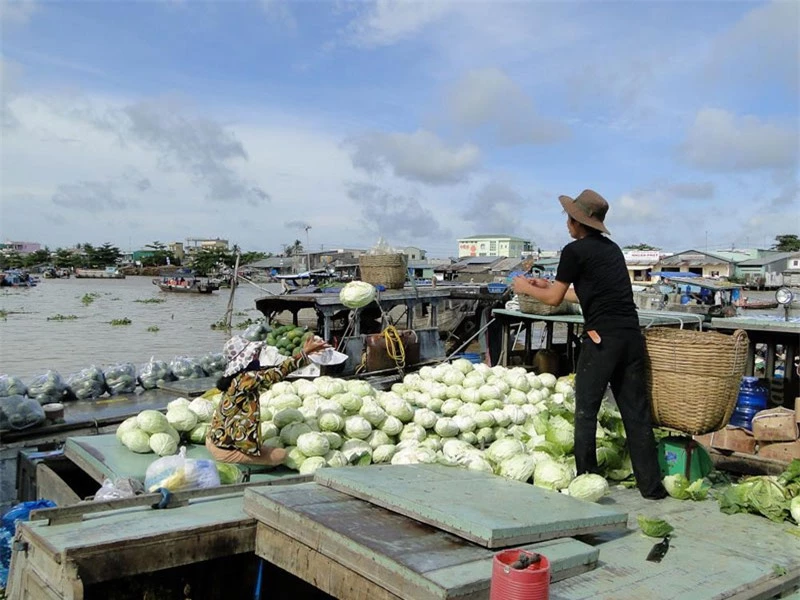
point(752, 398)
point(508, 583)
point(496, 288)
point(472, 357)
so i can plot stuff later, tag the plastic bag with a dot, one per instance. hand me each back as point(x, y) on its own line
point(18, 412)
point(121, 487)
point(153, 373)
point(121, 379)
point(87, 383)
point(12, 386)
point(382, 247)
point(177, 473)
point(213, 363)
point(184, 367)
point(47, 388)
point(257, 332)
point(8, 525)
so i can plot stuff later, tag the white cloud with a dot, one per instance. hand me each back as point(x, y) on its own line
point(387, 22)
point(718, 140)
point(629, 209)
point(496, 208)
point(763, 43)
point(17, 11)
point(419, 156)
point(278, 11)
point(489, 99)
point(395, 217)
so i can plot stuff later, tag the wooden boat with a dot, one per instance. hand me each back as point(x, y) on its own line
point(183, 285)
point(107, 273)
point(758, 304)
point(16, 278)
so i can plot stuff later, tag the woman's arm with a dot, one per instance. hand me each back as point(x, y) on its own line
point(552, 294)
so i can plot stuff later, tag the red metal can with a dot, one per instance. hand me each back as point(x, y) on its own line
point(509, 583)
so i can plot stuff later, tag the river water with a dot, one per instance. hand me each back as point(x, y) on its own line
point(30, 343)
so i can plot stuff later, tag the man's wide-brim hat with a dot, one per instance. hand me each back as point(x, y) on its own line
point(240, 352)
point(589, 208)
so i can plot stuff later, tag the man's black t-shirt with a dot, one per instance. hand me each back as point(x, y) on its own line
point(596, 267)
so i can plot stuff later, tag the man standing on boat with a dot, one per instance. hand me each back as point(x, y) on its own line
point(613, 349)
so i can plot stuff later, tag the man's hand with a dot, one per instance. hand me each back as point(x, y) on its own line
point(522, 285)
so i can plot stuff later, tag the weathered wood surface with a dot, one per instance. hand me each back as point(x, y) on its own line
point(124, 542)
point(396, 554)
point(50, 485)
point(104, 457)
point(712, 556)
point(189, 387)
point(466, 504)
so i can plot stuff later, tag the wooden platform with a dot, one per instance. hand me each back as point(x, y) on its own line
point(712, 556)
point(104, 457)
point(466, 504)
point(59, 561)
point(350, 548)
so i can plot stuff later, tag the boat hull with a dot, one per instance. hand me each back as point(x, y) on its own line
point(98, 274)
point(185, 289)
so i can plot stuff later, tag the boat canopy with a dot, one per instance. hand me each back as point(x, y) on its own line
point(702, 282)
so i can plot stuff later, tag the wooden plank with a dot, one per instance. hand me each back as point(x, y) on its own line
point(749, 464)
point(78, 512)
point(464, 503)
point(321, 571)
point(126, 542)
point(104, 457)
point(189, 387)
point(50, 485)
point(405, 557)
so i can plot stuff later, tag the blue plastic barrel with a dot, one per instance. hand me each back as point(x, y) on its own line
point(752, 398)
point(472, 357)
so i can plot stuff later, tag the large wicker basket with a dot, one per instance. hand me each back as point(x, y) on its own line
point(694, 377)
point(388, 270)
point(531, 306)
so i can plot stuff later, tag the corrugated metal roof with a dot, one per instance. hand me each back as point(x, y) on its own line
point(507, 264)
point(481, 260)
point(767, 260)
point(703, 258)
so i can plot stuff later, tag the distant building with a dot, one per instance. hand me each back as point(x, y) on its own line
point(20, 247)
point(196, 244)
point(334, 257)
point(494, 245)
point(705, 264)
point(177, 250)
point(768, 271)
point(641, 263)
point(414, 254)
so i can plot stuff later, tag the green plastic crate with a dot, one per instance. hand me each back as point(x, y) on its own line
point(683, 455)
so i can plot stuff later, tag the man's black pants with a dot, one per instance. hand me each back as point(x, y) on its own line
point(620, 360)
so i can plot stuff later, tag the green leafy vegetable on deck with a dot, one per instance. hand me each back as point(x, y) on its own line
point(759, 495)
point(654, 527)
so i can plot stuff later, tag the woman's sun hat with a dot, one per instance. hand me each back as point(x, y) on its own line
point(589, 208)
point(240, 352)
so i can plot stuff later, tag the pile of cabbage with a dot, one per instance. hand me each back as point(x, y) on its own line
point(499, 420)
point(153, 431)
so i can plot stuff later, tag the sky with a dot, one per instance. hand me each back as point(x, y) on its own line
point(416, 123)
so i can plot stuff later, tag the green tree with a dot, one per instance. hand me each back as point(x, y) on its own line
point(209, 260)
point(294, 248)
point(251, 257)
point(11, 260)
point(640, 247)
point(786, 243)
point(159, 256)
point(64, 258)
point(106, 255)
point(40, 257)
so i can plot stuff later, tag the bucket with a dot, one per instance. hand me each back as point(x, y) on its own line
point(509, 583)
point(472, 357)
point(752, 398)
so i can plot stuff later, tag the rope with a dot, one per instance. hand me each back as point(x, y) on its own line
point(394, 346)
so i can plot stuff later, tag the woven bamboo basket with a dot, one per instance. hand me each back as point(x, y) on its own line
point(694, 377)
point(388, 270)
point(531, 306)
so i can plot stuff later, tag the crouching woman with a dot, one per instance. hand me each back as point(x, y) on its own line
point(233, 436)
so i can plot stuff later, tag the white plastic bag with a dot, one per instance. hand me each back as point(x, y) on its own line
point(122, 487)
point(177, 473)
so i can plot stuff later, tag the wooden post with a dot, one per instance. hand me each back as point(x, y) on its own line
point(234, 283)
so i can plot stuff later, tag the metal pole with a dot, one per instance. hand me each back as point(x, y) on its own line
point(234, 283)
point(308, 249)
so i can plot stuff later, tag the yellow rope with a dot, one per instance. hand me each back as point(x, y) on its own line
point(394, 346)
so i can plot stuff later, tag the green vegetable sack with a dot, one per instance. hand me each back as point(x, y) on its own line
point(654, 527)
